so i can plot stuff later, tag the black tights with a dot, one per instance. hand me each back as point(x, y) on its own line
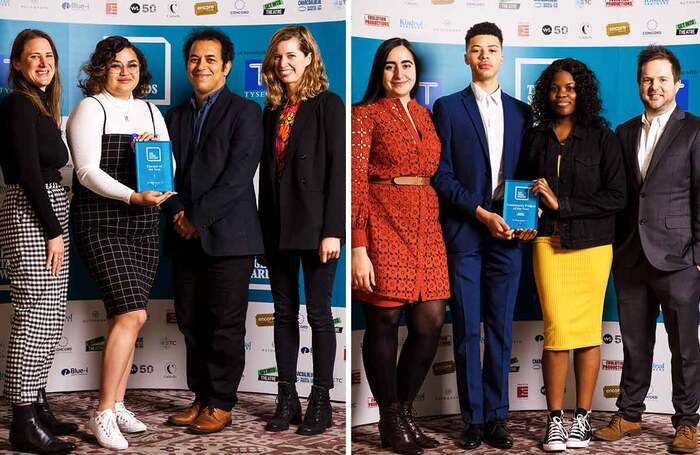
point(388, 381)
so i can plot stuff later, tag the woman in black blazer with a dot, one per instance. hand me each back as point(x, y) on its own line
point(302, 212)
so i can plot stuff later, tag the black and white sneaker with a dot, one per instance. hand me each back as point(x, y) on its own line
point(580, 433)
point(555, 437)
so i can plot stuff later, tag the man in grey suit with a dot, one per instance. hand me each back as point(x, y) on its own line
point(657, 250)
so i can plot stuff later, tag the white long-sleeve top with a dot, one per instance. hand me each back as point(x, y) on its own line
point(84, 132)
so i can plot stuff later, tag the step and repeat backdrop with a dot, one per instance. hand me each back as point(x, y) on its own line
point(605, 34)
point(159, 28)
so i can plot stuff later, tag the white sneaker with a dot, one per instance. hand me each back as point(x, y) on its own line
point(127, 421)
point(104, 426)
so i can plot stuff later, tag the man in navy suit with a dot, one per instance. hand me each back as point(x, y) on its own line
point(217, 144)
point(481, 130)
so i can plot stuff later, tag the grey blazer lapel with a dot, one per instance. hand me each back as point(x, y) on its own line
point(672, 129)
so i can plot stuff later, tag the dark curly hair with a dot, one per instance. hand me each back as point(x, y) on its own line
point(483, 28)
point(98, 66)
point(588, 103)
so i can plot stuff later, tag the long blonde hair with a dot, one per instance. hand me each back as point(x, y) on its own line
point(19, 84)
point(314, 80)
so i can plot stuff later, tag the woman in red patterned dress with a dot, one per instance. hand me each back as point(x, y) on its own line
point(399, 264)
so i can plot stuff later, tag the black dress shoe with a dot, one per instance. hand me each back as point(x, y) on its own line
point(319, 414)
point(497, 435)
point(394, 431)
point(421, 438)
point(48, 420)
point(288, 408)
point(28, 435)
point(471, 437)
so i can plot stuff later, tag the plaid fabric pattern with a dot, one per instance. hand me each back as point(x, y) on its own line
point(38, 298)
point(117, 241)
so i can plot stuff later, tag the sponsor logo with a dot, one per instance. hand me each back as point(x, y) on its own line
point(514, 365)
point(248, 345)
point(305, 376)
point(609, 338)
point(618, 29)
point(536, 364)
point(170, 317)
point(690, 2)
point(658, 366)
point(523, 29)
point(338, 325)
point(447, 395)
point(411, 24)
point(240, 8)
point(447, 26)
point(555, 29)
point(539, 338)
point(265, 319)
point(445, 340)
point(618, 3)
point(585, 33)
point(522, 390)
point(355, 376)
point(4, 3)
point(169, 370)
point(173, 9)
point(76, 6)
point(63, 346)
point(546, 3)
point(686, 28)
point(95, 344)
point(95, 316)
point(206, 8)
point(656, 2)
point(375, 20)
point(309, 5)
point(428, 92)
point(611, 391)
point(651, 395)
point(371, 402)
point(74, 371)
point(612, 365)
point(475, 4)
point(652, 28)
point(583, 3)
point(442, 2)
point(268, 374)
point(166, 342)
point(254, 88)
point(508, 4)
point(34, 4)
point(683, 91)
point(442, 368)
point(141, 369)
point(306, 350)
point(273, 8)
point(144, 8)
point(111, 8)
point(543, 391)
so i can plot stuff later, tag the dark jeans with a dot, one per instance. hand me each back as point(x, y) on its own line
point(283, 267)
point(641, 290)
point(211, 301)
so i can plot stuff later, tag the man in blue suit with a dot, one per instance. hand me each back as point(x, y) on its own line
point(481, 130)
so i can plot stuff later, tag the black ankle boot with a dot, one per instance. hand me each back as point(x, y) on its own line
point(28, 435)
point(395, 433)
point(318, 412)
point(421, 439)
point(288, 408)
point(48, 420)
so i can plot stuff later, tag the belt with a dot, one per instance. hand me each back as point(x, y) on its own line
point(403, 180)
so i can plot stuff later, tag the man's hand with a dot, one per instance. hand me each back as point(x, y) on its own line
point(184, 227)
point(494, 223)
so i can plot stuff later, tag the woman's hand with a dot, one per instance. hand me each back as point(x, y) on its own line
point(541, 187)
point(149, 198)
point(145, 137)
point(524, 235)
point(329, 249)
point(362, 270)
point(54, 254)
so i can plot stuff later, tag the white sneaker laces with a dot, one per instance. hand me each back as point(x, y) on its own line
point(580, 427)
point(556, 431)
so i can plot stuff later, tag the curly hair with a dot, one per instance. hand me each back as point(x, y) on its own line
point(588, 103)
point(98, 66)
point(313, 81)
point(483, 28)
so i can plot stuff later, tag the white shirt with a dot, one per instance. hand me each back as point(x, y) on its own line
point(84, 132)
point(491, 110)
point(651, 132)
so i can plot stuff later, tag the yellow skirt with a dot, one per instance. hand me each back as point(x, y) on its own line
point(571, 284)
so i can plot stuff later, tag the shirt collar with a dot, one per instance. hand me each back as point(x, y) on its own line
point(482, 96)
point(208, 101)
point(660, 119)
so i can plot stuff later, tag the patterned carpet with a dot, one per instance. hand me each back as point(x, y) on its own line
point(246, 435)
point(527, 428)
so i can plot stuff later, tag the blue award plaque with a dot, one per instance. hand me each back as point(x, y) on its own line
point(520, 205)
point(154, 166)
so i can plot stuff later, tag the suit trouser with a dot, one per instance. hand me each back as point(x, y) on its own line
point(641, 289)
point(283, 267)
point(487, 278)
point(211, 301)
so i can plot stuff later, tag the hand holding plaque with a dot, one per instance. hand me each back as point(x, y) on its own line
point(154, 166)
point(520, 205)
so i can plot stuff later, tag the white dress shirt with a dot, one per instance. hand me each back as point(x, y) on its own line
point(84, 132)
point(651, 132)
point(491, 110)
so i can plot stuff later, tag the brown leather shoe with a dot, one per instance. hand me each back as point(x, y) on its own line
point(617, 429)
point(685, 440)
point(186, 417)
point(210, 420)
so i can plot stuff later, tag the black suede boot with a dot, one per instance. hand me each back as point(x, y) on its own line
point(28, 435)
point(288, 408)
point(421, 439)
point(48, 420)
point(394, 431)
point(318, 412)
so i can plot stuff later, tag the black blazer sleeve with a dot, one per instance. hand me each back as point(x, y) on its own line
point(173, 205)
point(334, 123)
point(527, 164)
point(695, 196)
point(611, 196)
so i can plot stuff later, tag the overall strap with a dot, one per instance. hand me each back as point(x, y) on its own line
point(150, 109)
point(104, 122)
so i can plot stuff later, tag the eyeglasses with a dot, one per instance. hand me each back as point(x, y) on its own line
point(118, 68)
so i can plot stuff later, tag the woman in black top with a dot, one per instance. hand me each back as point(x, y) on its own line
point(34, 238)
point(302, 214)
point(576, 163)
